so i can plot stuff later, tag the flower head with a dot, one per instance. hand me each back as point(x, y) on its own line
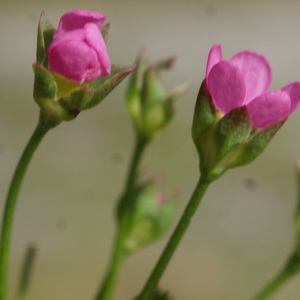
point(244, 80)
point(235, 115)
point(78, 51)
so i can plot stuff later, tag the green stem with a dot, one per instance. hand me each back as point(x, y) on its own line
point(26, 273)
point(123, 212)
point(175, 239)
point(10, 204)
point(132, 175)
point(291, 268)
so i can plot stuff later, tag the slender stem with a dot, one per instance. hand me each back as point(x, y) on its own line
point(10, 204)
point(26, 273)
point(131, 176)
point(107, 288)
point(175, 239)
point(291, 268)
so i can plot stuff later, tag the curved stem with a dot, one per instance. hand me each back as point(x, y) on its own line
point(10, 204)
point(174, 240)
point(291, 268)
point(123, 212)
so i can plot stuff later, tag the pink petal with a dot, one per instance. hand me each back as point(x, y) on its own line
point(214, 57)
point(95, 40)
point(256, 71)
point(74, 60)
point(227, 86)
point(293, 89)
point(269, 108)
point(76, 19)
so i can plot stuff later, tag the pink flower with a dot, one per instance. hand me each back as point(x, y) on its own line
point(78, 51)
point(244, 80)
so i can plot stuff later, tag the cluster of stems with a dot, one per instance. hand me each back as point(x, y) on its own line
point(118, 254)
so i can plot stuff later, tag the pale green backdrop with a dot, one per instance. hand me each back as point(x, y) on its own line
point(242, 233)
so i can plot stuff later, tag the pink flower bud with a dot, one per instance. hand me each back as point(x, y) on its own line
point(78, 51)
point(244, 81)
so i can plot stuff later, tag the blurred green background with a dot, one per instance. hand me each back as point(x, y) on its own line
point(243, 231)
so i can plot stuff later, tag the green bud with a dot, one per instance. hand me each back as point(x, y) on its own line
point(151, 217)
point(150, 108)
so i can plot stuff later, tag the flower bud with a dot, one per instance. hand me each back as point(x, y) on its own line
point(78, 51)
point(151, 216)
point(151, 109)
point(63, 93)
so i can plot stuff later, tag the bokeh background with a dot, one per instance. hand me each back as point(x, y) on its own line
point(243, 231)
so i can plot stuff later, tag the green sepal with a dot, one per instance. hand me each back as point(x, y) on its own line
point(228, 133)
point(45, 86)
point(205, 114)
point(104, 31)
point(103, 86)
point(157, 116)
point(254, 146)
point(44, 38)
point(247, 151)
point(51, 114)
point(134, 88)
point(231, 131)
point(164, 64)
point(76, 101)
point(152, 92)
point(150, 217)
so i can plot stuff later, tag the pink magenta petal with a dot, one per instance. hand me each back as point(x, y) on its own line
point(293, 89)
point(227, 86)
point(76, 19)
point(78, 34)
point(256, 71)
point(74, 60)
point(269, 108)
point(95, 40)
point(214, 57)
